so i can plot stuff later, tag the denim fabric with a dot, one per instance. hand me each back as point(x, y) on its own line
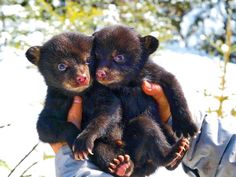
point(66, 166)
point(212, 153)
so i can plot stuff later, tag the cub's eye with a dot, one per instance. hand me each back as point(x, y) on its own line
point(62, 67)
point(119, 59)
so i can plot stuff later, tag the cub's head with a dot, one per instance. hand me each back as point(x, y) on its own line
point(65, 61)
point(121, 54)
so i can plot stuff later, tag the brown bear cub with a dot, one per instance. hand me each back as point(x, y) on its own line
point(122, 64)
point(67, 65)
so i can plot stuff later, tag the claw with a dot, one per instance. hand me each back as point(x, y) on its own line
point(116, 161)
point(121, 166)
point(81, 157)
point(85, 155)
point(121, 158)
point(113, 166)
point(178, 154)
point(111, 170)
point(90, 151)
point(182, 148)
point(73, 148)
point(127, 157)
point(76, 157)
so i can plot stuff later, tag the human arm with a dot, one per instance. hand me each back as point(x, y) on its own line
point(157, 93)
point(74, 116)
point(213, 151)
point(65, 165)
point(52, 124)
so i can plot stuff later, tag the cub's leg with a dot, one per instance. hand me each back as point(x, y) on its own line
point(109, 153)
point(147, 145)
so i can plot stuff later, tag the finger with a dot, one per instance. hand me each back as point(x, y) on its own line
point(76, 108)
point(75, 112)
point(57, 146)
point(157, 93)
point(150, 88)
point(77, 99)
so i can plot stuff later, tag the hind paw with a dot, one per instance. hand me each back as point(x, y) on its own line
point(183, 146)
point(121, 166)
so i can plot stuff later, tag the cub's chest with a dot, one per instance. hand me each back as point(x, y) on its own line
point(134, 102)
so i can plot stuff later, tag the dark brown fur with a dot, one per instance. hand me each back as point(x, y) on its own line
point(101, 109)
point(122, 65)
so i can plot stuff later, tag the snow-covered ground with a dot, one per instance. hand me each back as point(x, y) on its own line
point(23, 91)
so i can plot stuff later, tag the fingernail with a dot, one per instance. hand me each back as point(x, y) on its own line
point(77, 99)
point(148, 85)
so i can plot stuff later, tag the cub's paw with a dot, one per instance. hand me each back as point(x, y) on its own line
point(185, 127)
point(181, 149)
point(83, 146)
point(121, 166)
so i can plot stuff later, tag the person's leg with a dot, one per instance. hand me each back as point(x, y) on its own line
point(66, 166)
point(213, 152)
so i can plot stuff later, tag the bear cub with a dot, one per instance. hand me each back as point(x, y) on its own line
point(67, 65)
point(122, 65)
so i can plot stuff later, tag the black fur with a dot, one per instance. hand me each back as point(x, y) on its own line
point(101, 108)
point(122, 65)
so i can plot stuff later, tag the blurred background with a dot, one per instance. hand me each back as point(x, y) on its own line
point(198, 44)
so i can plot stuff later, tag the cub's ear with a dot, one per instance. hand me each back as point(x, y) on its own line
point(149, 43)
point(94, 34)
point(33, 54)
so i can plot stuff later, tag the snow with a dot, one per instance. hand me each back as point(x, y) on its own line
point(23, 92)
point(206, 19)
point(8, 10)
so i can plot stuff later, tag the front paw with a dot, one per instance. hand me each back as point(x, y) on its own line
point(83, 146)
point(185, 127)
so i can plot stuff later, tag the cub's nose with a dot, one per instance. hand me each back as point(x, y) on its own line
point(101, 74)
point(82, 79)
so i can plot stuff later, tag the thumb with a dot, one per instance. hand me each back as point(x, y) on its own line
point(75, 112)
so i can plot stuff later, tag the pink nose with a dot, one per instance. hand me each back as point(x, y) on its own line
point(101, 74)
point(81, 79)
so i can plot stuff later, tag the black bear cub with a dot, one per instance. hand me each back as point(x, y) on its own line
point(122, 64)
point(67, 65)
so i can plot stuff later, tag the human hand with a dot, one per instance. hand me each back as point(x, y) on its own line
point(74, 116)
point(157, 93)
point(75, 112)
